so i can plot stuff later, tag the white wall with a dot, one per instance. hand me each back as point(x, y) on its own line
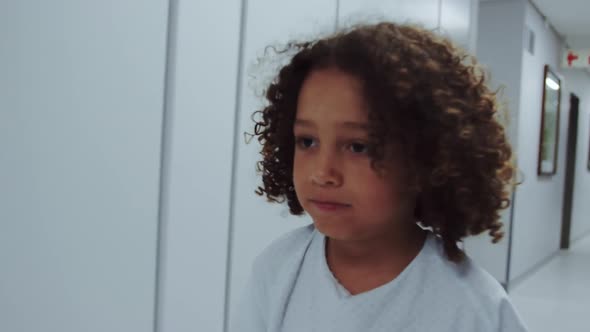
point(8, 96)
point(539, 200)
point(578, 82)
point(499, 49)
point(458, 20)
point(203, 71)
point(423, 12)
point(80, 163)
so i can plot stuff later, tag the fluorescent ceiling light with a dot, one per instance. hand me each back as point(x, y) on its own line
point(551, 84)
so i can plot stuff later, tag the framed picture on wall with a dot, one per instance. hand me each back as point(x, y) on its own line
point(551, 103)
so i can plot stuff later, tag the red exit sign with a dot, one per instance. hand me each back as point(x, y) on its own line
point(576, 59)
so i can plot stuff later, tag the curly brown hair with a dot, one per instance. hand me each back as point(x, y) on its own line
point(423, 93)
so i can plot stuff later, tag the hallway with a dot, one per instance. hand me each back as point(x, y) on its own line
point(557, 296)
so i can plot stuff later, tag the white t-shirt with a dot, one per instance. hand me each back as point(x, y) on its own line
point(292, 289)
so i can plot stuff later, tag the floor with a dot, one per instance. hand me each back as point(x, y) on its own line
point(557, 296)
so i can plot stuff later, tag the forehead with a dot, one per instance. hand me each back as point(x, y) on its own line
point(331, 95)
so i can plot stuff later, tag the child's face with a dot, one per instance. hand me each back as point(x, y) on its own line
point(331, 163)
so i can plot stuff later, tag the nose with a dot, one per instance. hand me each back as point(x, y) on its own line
point(326, 171)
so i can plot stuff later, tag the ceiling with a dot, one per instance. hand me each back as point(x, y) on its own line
point(571, 18)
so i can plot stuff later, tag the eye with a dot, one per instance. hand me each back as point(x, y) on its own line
point(358, 148)
point(304, 142)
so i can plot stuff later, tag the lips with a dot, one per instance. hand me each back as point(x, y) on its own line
point(329, 205)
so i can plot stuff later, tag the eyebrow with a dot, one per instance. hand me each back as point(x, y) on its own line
point(304, 123)
point(355, 125)
point(345, 124)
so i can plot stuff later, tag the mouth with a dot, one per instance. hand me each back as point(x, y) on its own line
point(328, 205)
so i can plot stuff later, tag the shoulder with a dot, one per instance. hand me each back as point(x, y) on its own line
point(285, 251)
point(275, 272)
point(471, 290)
point(466, 277)
point(270, 280)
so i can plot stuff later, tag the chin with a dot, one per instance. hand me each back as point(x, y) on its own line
point(335, 230)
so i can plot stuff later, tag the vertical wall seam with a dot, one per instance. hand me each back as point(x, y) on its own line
point(234, 169)
point(165, 150)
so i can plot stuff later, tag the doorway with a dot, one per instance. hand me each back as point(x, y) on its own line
point(570, 167)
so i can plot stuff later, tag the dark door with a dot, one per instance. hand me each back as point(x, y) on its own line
point(570, 167)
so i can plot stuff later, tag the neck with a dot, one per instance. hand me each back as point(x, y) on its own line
point(394, 248)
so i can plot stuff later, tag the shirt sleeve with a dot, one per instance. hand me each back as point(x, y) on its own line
point(248, 316)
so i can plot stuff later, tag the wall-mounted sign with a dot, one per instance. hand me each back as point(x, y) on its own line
point(576, 59)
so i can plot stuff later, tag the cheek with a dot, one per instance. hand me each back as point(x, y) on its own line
point(298, 175)
point(376, 192)
point(379, 196)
